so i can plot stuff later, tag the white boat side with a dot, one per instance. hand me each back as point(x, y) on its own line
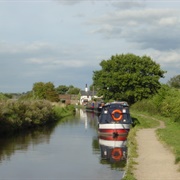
point(114, 126)
point(112, 143)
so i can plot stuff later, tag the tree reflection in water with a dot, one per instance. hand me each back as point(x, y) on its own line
point(23, 140)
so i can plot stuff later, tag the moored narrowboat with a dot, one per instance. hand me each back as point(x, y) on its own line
point(115, 119)
point(95, 107)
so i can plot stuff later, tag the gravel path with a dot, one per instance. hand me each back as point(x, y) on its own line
point(155, 162)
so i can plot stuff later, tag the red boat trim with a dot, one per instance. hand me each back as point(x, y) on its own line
point(111, 138)
point(113, 131)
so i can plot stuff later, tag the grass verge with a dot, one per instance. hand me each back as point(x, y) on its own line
point(170, 136)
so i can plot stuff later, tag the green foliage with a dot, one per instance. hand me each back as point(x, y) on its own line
point(9, 95)
point(63, 111)
point(128, 77)
point(165, 103)
point(171, 135)
point(132, 153)
point(27, 96)
point(143, 120)
point(45, 91)
point(73, 90)
point(3, 97)
point(174, 82)
point(18, 115)
point(62, 89)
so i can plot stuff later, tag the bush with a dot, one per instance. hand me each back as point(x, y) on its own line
point(165, 103)
point(18, 115)
point(3, 97)
point(63, 111)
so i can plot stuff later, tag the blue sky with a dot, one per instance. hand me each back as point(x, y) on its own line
point(63, 41)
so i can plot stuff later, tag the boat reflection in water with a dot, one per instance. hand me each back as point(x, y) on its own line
point(113, 150)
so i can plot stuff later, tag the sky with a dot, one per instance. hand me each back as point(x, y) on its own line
point(64, 41)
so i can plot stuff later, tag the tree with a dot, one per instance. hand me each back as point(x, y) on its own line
point(73, 90)
point(127, 77)
point(45, 91)
point(39, 90)
point(174, 82)
point(51, 93)
point(62, 89)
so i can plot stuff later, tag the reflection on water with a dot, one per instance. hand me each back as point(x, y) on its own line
point(23, 141)
point(113, 151)
point(70, 149)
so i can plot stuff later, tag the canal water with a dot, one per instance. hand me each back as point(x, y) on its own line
point(69, 150)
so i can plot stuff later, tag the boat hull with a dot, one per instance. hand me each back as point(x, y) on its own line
point(113, 129)
point(109, 141)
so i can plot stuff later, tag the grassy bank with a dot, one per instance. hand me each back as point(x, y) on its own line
point(170, 136)
point(162, 106)
point(19, 115)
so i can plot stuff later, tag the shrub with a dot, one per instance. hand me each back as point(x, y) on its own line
point(17, 114)
point(166, 103)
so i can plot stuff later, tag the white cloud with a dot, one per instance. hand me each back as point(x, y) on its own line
point(128, 4)
point(168, 61)
point(169, 57)
point(69, 2)
point(169, 21)
point(36, 61)
point(150, 28)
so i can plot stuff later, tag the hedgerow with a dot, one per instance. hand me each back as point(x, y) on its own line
point(16, 115)
point(165, 103)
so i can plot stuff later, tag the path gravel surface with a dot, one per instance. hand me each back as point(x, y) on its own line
point(155, 161)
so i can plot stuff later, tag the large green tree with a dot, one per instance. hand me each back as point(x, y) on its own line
point(175, 82)
point(128, 77)
point(46, 91)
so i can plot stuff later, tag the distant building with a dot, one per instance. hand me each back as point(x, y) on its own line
point(69, 98)
point(86, 96)
point(83, 98)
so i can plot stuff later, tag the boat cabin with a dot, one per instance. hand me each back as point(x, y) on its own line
point(115, 112)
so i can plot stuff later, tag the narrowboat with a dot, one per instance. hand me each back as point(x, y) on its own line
point(114, 119)
point(95, 107)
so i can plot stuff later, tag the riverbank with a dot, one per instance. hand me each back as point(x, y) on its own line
point(139, 136)
point(17, 115)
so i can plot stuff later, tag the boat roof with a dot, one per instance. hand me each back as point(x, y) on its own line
point(123, 103)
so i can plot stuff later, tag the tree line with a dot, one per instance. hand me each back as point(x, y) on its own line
point(47, 91)
point(122, 77)
point(42, 90)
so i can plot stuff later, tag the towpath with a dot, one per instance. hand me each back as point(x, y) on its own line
point(155, 161)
